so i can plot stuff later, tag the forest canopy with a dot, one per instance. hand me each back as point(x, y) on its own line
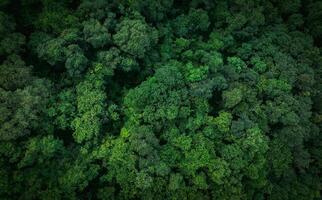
point(161, 99)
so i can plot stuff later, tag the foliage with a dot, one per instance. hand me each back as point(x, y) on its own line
point(160, 99)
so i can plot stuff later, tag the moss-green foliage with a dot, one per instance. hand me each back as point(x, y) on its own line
point(160, 99)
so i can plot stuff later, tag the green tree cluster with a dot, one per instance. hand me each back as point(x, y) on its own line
point(160, 99)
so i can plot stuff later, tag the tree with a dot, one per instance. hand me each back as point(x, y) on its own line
point(96, 34)
point(23, 109)
point(135, 37)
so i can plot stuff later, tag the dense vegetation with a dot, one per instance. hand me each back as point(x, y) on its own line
point(160, 99)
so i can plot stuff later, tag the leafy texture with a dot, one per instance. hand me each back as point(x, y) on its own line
point(160, 99)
